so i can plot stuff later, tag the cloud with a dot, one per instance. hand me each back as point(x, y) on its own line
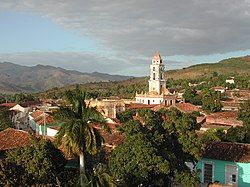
point(134, 29)
point(86, 62)
point(196, 27)
point(80, 61)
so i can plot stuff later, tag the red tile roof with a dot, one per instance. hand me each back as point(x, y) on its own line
point(226, 118)
point(55, 127)
point(38, 116)
point(36, 113)
point(158, 107)
point(12, 138)
point(186, 107)
point(235, 152)
point(8, 104)
point(140, 105)
point(225, 114)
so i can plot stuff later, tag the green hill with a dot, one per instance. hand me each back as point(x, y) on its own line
point(127, 88)
point(229, 66)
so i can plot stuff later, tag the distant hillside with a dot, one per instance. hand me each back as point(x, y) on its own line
point(229, 66)
point(17, 78)
point(127, 88)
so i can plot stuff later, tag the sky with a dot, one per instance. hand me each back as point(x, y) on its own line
point(120, 37)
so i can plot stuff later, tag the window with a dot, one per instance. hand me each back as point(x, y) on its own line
point(234, 178)
point(153, 76)
point(153, 68)
point(207, 172)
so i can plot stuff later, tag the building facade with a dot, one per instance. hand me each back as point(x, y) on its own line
point(225, 163)
point(158, 93)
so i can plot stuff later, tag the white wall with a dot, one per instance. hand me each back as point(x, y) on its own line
point(51, 132)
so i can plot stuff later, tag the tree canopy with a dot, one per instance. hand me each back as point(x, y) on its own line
point(155, 150)
point(36, 164)
point(5, 121)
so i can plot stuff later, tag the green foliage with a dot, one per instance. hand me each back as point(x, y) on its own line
point(5, 121)
point(236, 134)
point(191, 96)
point(187, 179)
point(150, 153)
point(244, 114)
point(2, 99)
point(21, 98)
point(37, 164)
point(136, 162)
point(211, 101)
point(182, 127)
point(80, 137)
point(213, 135)
point(126, 115)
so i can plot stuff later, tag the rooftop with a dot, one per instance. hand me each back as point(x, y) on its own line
point(224, 114)
point(8, 104)
point(157, 56)
point(186, 107)
point(12, 138)
point(235, 152)
point(140, 105)
point(41, 117)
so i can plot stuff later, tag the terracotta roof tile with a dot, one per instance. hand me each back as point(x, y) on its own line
point(8, 104)
point(38, 116)
point(235, 152)
point(158, 107)
point(225, 114)
point(186, 107)
point(12, 138)
point(139, 105)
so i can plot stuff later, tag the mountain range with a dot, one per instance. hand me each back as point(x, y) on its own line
point(16, 78)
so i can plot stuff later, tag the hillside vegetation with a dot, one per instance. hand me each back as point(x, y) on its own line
point(238, 67)
point(229, 66)
point(16, 78)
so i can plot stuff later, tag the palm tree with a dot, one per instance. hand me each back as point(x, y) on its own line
point(78, 133)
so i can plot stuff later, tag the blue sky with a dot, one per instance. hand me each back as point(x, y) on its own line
point(26, 32)
point(121, 37)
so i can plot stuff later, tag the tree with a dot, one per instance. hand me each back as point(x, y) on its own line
point(213, 135)
point(236, 134)
point(137, 162)
point(244, 114)
point(191, 96)
point(80, 136)
point(100, 178)
point(211, 101)
point(5, 121)
point(126, 115)
point(150, 153)
point(36, 164)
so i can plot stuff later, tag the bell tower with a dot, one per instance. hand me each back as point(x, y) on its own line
point(157, 83)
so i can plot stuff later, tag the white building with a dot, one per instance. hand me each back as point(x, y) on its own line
point(230, 81)
point(158, 94)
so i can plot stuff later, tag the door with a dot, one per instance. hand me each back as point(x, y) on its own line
point(231, 175)
point(207, 172)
